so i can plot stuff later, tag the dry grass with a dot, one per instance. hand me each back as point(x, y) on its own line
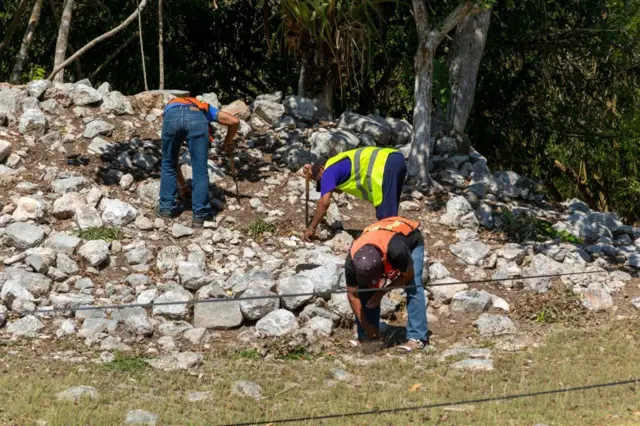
point(569, 358)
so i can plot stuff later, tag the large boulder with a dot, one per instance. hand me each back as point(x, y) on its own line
point(36, 88)
point(97, 128)
point(295, 285)
point(300, 108)
point(23, 236)
point(27, 326)
point(471, 252)
point(117, 103)
point(489, 325)
point(33, 122)
point(277, 323)
point(10, 103)
point(469, 301)
point(173, 311)
point(238, 109)
point(66, 206)
point(459, 214)
point(84, 95)
point(60, 242)
point(255, 309)
point(95, 252)
point(268, 111)
point(30, 209)
point(333, 142)
point(117, 213)
point(221, 315)
point(70, 184)
point(5, 150)
point(326, 278)
point(401, 130)
point(541, 265)
point(379, 132)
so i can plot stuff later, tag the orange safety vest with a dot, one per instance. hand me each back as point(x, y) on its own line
point(379, 235)
point(202, 106)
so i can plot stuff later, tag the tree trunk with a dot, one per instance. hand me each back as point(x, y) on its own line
point(161, 44)
point(70, 47)
point(15, 20)
point(144, 67)
point(428, 41)
point(63, 38)
point(97, 40)
point(464, 62)
point(420, 147)
point(23, 53)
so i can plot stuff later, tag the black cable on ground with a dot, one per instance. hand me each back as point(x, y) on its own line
point(52, 310)
point(437, 405)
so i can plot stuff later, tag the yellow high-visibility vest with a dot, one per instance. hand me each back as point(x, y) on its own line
point(367, 172)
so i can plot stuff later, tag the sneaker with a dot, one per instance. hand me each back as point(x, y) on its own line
point(166, 215)
point(198, 221)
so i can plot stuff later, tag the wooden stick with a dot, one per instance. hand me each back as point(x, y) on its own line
point(306, 203)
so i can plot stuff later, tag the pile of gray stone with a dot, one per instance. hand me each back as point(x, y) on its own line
point(55, 253)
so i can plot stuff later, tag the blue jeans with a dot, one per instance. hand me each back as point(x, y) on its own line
point(416, 304)
point(189, 124)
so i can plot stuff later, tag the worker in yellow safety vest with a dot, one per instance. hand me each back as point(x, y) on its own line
point(372, 174)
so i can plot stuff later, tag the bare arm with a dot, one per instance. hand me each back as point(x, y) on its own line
point(321, 210)
point(232, 124)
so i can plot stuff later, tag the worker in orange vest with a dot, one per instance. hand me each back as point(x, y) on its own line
point(187, 119)
point(389, 251)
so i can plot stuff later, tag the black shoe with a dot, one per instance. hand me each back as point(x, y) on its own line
point(198, 221)
point(166, 215)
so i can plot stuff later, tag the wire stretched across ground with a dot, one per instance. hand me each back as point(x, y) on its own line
point(437, 405)
point(51, 310)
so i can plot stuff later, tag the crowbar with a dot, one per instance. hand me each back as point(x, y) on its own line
point(232, 168)
point(306, 204)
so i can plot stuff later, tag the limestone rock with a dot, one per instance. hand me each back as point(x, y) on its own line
point(253, 310)
point(277, 323)
point(95, 252)
point(33, 122)
point(494, 325)
point(471, 252)
point(23, 236)
point(78, 393)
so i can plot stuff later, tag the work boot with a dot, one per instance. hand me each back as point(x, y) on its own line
point(166, 215)
point(198, 221)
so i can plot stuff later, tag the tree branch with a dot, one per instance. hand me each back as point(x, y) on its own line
point(113, 55)
point(452, 21)
point(98, 39)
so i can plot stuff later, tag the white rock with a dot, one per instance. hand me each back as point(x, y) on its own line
point(117, 213)
point(95, 252)
point(277, 323)
point(78, 393)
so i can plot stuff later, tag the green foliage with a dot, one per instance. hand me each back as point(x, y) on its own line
point(259, 227)
point(547, 315)
point(127, 363)
point(524, 227)
point(100, 233)
point(252, 354)
point(558, 85)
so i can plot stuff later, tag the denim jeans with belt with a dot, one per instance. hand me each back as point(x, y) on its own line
point(416, 304)
point(185, 123)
